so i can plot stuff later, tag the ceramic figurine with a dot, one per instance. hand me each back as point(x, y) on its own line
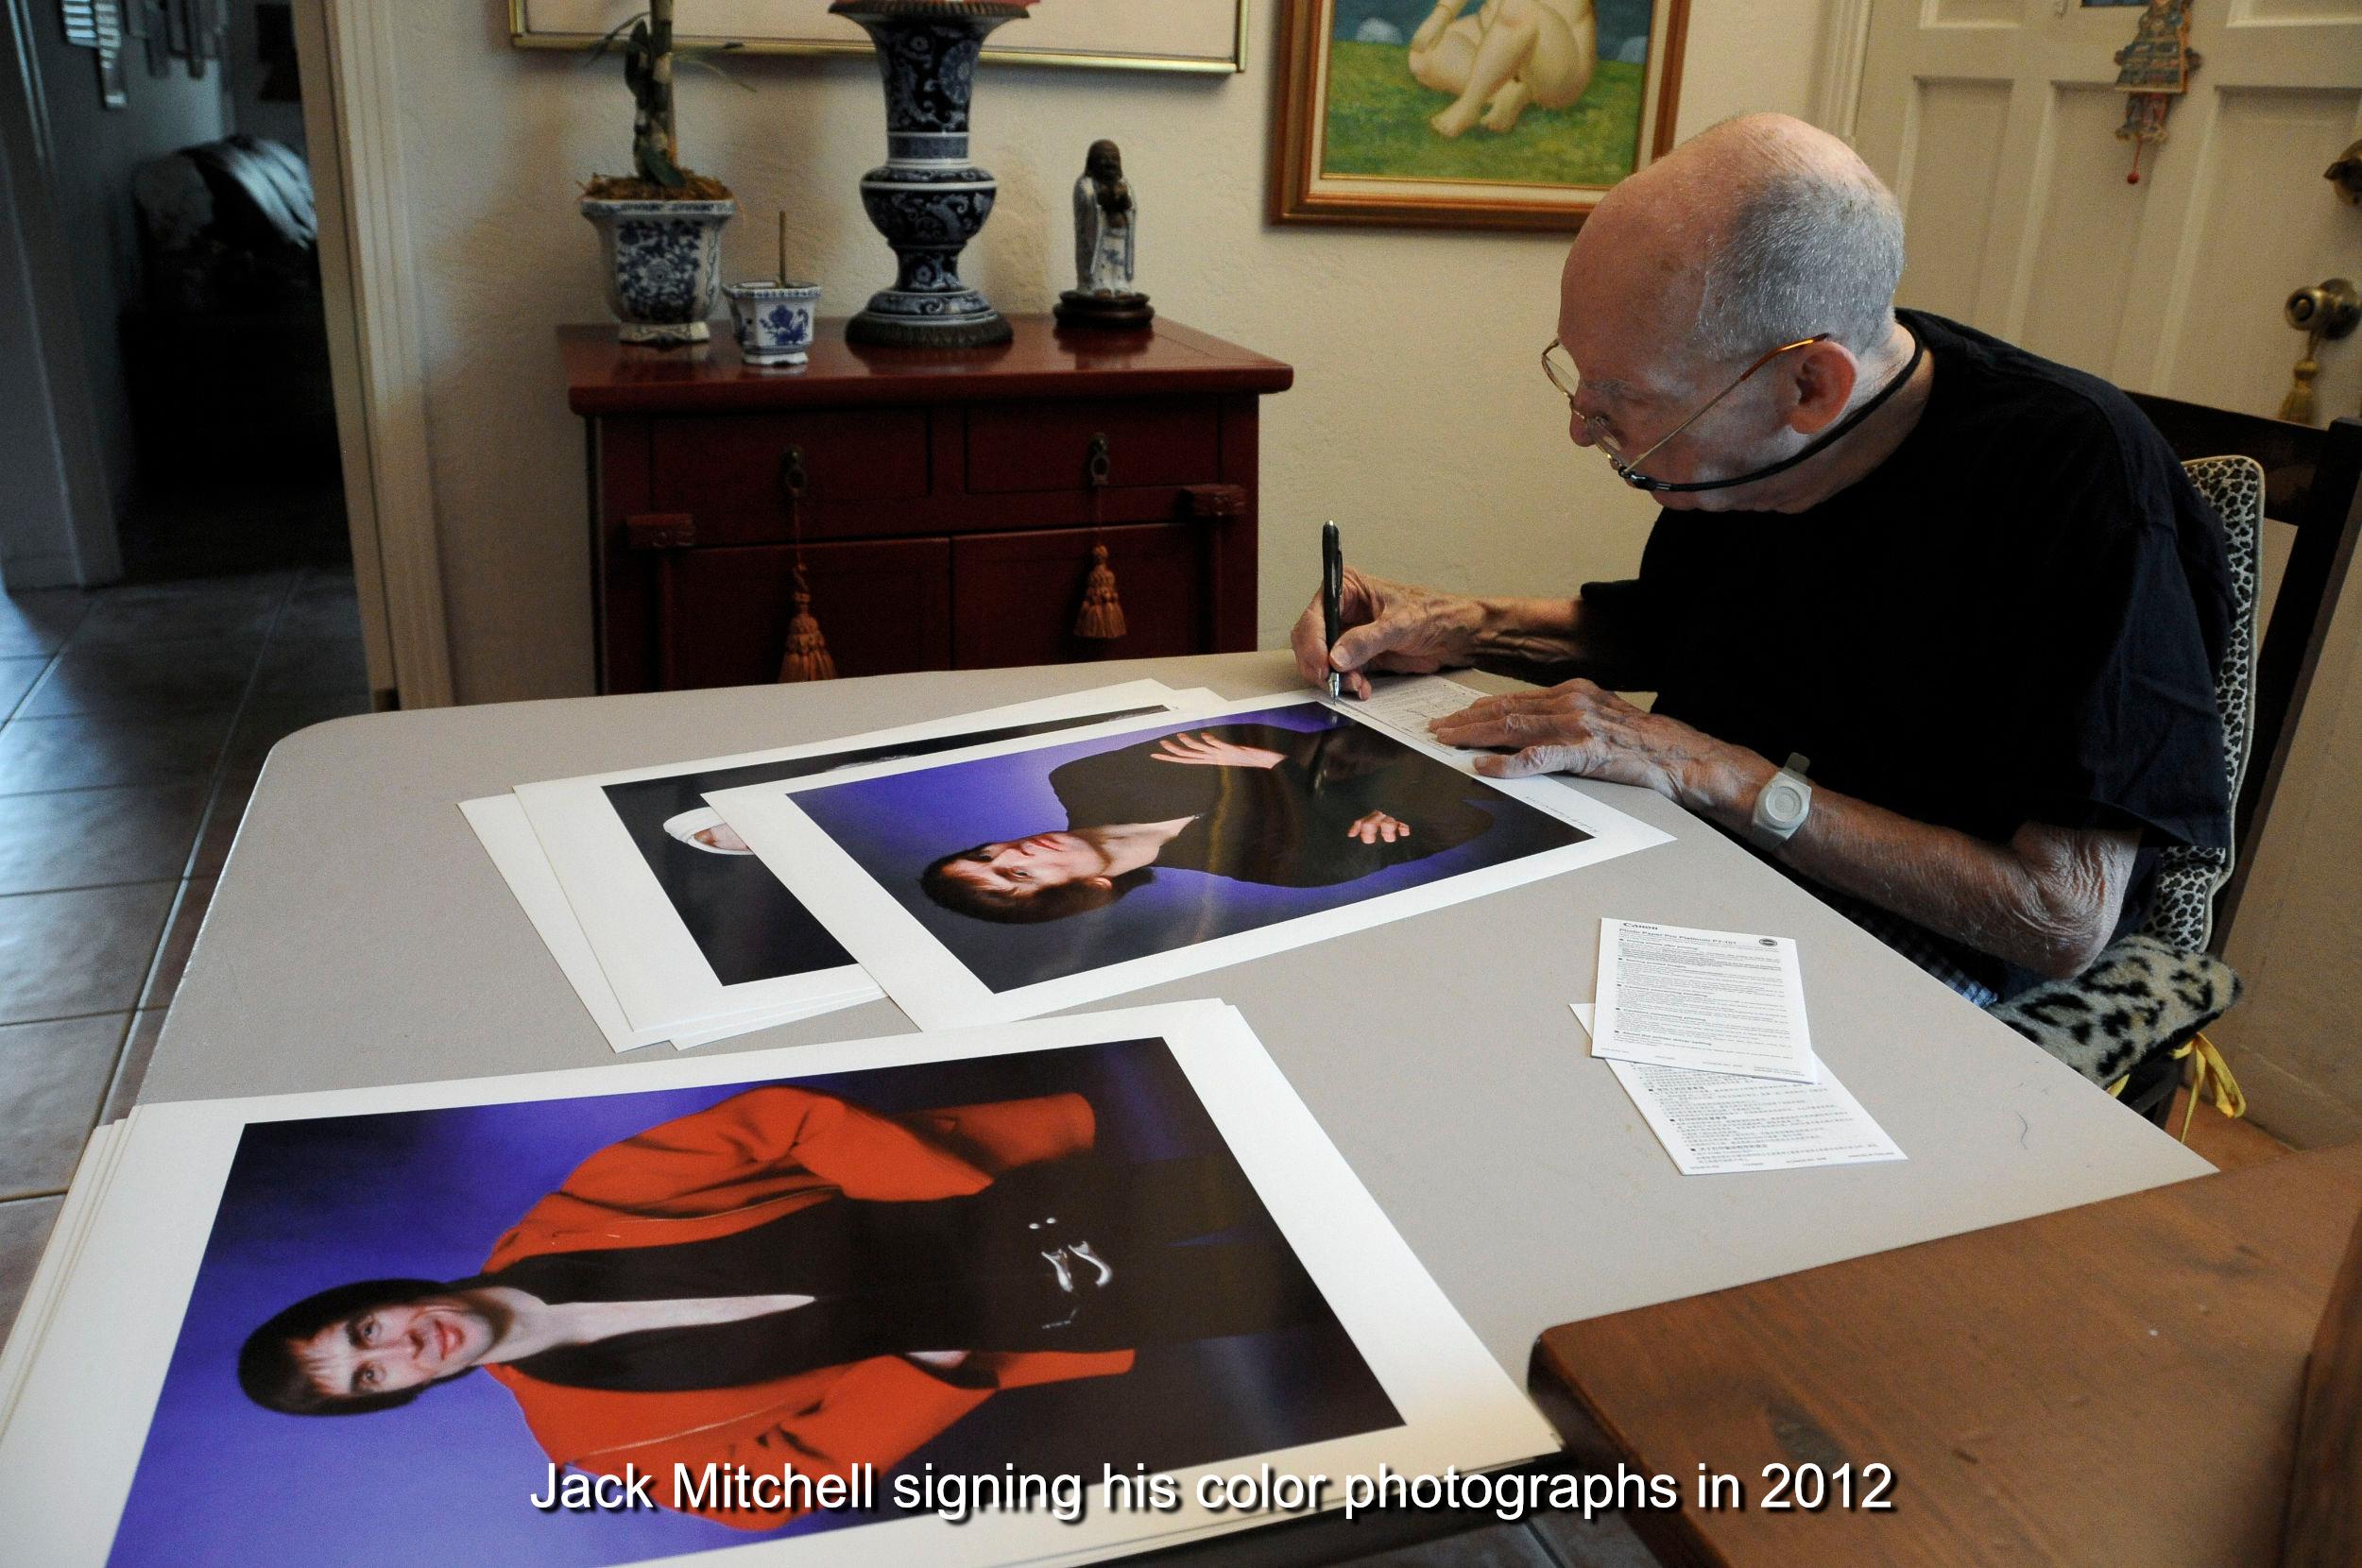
point(1107, 235)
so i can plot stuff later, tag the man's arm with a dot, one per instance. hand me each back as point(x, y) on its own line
point(747, 1150)
point(2048, 901)
point(1403, 629)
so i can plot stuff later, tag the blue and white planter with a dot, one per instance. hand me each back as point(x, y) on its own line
point(927, 199)
point(774, 320)
point(664, 266)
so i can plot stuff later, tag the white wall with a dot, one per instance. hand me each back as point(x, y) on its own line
point(1418, 418)
point(96, 152)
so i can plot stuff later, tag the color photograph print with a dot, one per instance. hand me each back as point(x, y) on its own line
point(746, 924)
point(686, 923)
point(1477, 112)
point(1037, 875)
point(1048, 1261)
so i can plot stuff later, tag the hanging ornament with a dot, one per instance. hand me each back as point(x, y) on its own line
point(808, 656)
point(1102, 620)
point(2152, 71)
point(1102, 616)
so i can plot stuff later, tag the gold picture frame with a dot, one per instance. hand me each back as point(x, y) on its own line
point(1355, 141)
point(1230, 60)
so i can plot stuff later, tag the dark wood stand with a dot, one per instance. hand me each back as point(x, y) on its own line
point(949, 502)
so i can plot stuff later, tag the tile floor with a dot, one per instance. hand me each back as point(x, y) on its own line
point(133, 721)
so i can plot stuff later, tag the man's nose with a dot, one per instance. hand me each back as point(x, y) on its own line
point(1578, 427)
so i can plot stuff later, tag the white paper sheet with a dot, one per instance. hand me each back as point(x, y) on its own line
point(69, 1459)
point(1710, 1001)
point(84, 1197)
point(1404, 707)
point(931, 983)
point(500, 825)
point(649, 962)
point(1713, 1123)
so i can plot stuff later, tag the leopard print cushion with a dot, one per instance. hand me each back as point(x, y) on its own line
point(2139, 996)
point(2181, 909)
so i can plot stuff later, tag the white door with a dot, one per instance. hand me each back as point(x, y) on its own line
point(1995, 120)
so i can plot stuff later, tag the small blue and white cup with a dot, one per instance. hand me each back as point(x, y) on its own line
point(774, 320)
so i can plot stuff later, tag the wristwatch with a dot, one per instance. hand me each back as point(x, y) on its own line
point(1782, 806)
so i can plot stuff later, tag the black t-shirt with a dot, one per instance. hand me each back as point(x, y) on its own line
point(2016, 618)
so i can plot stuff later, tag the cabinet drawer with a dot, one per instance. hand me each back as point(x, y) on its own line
point(1045, 446)
point(725, 469)
point(1015, 596)
point(885, 608)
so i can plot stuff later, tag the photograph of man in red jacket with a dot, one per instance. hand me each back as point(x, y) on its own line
point(788, 1277)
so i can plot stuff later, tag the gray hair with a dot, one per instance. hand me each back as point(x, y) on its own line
point(1812, 245)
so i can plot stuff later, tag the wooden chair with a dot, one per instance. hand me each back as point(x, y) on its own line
point(2311, 482)
point(2131, 1019)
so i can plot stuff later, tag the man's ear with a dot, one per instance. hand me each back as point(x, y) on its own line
point(1105, 884)
point(1822, 384)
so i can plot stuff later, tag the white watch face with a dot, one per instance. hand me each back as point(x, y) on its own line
point(1783, 803)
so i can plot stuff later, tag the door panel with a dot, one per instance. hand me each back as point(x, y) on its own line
point(1995, 120)
point(2258, 130)
point(1948, 191)
point(2089, 230)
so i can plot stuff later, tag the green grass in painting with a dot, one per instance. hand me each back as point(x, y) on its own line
point(1377, 125)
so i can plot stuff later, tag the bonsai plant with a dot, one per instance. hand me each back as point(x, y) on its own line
point(660, 227)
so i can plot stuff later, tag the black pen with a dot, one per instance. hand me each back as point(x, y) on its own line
point(1333, 596)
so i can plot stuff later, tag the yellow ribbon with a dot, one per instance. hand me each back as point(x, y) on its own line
point(2209, 1076)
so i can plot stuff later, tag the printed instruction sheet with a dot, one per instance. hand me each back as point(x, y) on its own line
point(1713, 1123)
point(1709, 1001)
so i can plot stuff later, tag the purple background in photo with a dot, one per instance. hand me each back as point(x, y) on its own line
point(893, 828)
point(315, 1203)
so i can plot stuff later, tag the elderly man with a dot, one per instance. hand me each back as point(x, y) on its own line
point(1972, 587)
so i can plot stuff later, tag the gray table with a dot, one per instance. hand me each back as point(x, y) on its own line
point(360, 936)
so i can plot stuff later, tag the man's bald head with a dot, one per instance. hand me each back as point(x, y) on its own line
point(1752, 233)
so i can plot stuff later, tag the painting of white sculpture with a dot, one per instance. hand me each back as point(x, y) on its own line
point(1491, 110)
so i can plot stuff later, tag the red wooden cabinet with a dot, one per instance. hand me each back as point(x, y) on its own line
point(950, 501)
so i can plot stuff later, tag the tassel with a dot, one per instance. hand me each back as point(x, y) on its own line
point(1102, 620)
point(807, 650)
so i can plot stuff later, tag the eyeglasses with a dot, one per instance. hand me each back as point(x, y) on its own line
point(1563, 376)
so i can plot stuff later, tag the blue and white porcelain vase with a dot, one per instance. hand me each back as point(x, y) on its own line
point(774, 320)
point(663, 265)
point(927, 199)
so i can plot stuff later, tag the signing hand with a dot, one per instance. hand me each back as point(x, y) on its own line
point(1378, 827)
point(1203, 751)
point(1579, 728)
point(1390, 626)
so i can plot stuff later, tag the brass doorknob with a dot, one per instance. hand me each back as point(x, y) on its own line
point(2323, 314)
point(2330, 308)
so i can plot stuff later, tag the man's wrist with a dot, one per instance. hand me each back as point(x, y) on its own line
point(1721, 785)
point(1527, 629)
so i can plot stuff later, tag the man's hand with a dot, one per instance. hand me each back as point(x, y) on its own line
point(1378, 827)
point(1388, 627)
point(1203, 751)
point(1579, 728)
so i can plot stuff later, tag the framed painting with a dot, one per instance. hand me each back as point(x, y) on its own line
point(1470, 114)
point(1208, 36)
